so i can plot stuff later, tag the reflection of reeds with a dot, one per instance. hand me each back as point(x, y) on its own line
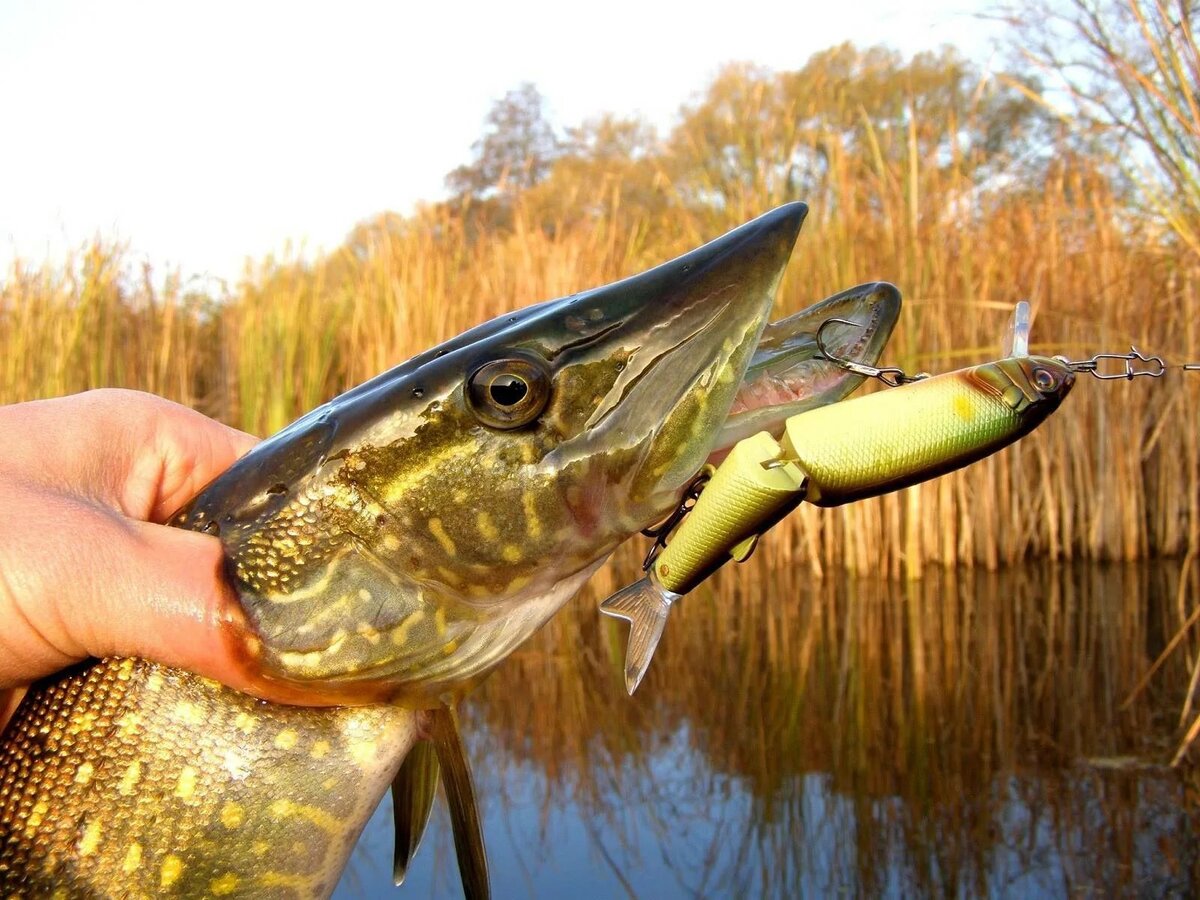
point(924, 705)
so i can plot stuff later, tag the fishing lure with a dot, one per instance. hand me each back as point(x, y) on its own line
point(833, 455)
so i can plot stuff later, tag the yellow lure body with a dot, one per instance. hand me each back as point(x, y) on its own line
point(750, 487)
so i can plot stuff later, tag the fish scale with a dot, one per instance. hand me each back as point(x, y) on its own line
point(145, 779)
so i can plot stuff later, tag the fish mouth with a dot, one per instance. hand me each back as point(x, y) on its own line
point(441, 539)
point(685, 333)
point(791, 372)
point(855, 325)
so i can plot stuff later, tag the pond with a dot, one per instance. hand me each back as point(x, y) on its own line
point(961, 735)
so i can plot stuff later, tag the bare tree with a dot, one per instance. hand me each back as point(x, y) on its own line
point(1126, 72)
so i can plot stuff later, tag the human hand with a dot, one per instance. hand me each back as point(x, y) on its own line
point(87, 569)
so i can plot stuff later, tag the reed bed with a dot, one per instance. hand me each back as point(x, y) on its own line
point(1113, 476)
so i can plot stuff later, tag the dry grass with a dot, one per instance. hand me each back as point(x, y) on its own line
point(1112, 477)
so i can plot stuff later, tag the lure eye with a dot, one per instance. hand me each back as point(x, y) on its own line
point(1044, 380)
point(508, 393)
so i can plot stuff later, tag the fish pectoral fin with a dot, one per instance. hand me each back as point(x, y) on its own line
point(413, 791)
point(460, 797)
point(645, 605)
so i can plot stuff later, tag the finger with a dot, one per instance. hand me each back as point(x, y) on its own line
point(128, 450)
point(81, 580)
point(117, 587)
point(186, 451)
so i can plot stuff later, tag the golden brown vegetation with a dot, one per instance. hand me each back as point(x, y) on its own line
point(957, 188)
point(919, 172)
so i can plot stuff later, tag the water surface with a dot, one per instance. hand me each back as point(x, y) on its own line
point(962, 735)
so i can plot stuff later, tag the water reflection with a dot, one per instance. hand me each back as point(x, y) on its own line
point(961, 735)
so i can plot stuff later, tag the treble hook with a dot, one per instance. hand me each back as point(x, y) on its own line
point(1156, 367)
point(691, 494)
point(889, 375)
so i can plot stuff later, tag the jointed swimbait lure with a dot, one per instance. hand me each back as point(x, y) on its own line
point(832, 455)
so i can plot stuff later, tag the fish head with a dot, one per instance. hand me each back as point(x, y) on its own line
point(399, 541)
point(1032, 386)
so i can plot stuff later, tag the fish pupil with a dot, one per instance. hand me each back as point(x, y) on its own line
point(508, 390)
point(1043, 380)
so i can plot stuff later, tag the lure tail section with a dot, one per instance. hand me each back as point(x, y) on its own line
point(645, 605)
point(751, 491)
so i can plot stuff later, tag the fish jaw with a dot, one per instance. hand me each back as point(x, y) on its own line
point(399, 541)
point(789, 374)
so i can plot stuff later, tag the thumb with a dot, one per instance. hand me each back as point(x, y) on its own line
point(167, 600)
point(80, 580)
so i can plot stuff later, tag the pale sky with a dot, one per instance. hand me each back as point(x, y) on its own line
point(203, 133)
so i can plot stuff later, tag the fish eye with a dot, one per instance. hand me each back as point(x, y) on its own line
point(1044, 380)
point(508, 393)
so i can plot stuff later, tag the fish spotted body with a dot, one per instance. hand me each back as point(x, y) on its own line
point(130, 779)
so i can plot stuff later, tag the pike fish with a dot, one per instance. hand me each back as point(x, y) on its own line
point(833, 455)
point(387, 551)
